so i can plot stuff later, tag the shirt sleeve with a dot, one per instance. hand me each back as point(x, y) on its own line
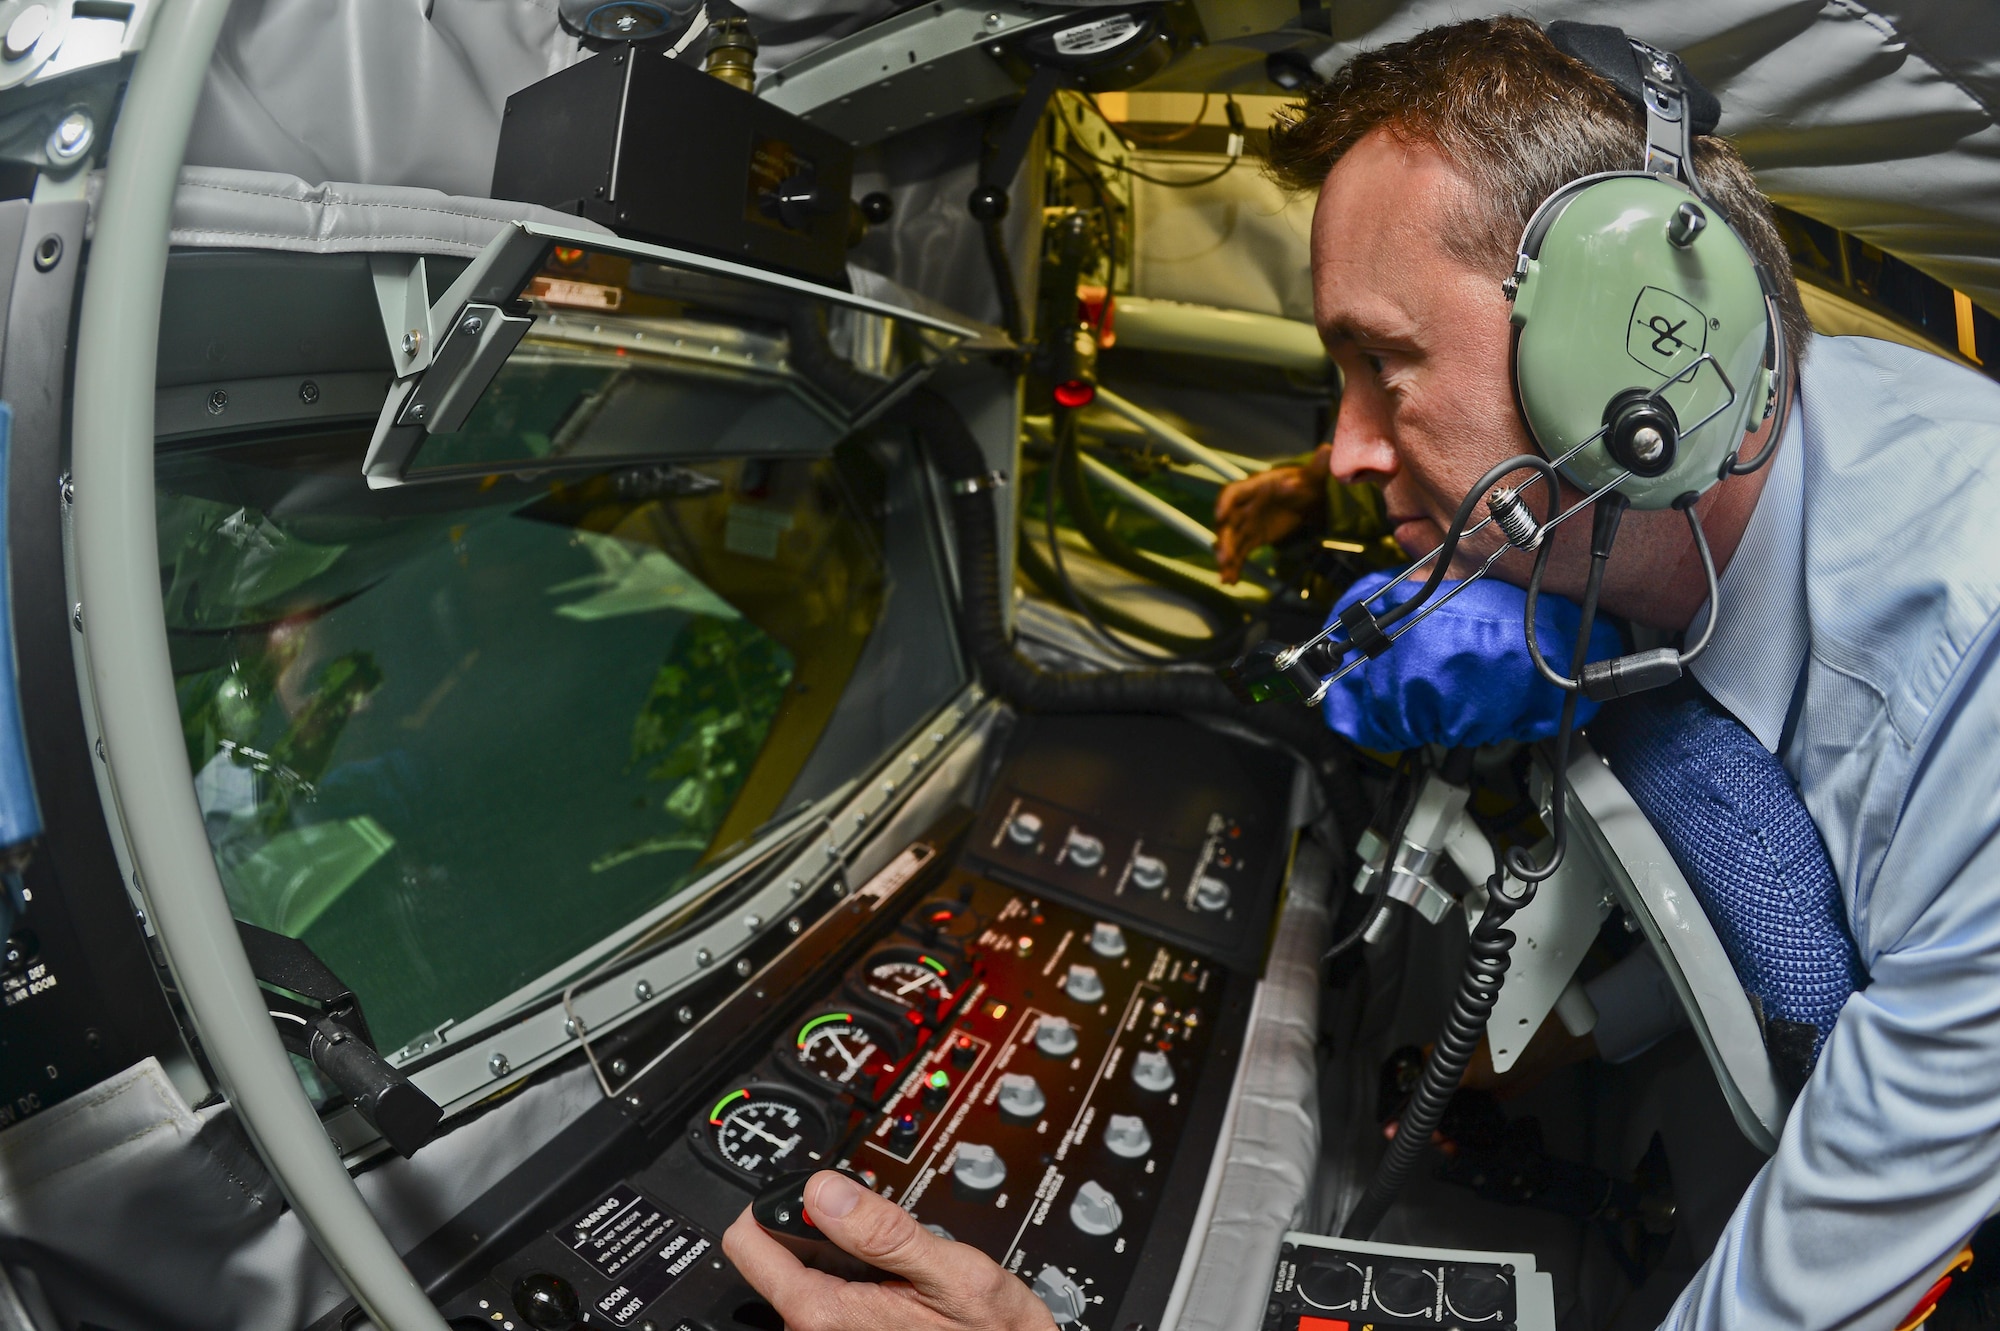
point(1891, 1156)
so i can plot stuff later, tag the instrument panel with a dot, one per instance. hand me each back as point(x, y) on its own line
point(1019, 1043)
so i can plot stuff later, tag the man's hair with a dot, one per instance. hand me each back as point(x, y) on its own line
point(1517, 119)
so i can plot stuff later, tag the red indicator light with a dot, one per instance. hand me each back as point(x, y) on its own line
point(965, 1042)
point(916, 1018)
point(1075, 393)
point(1322, 1324)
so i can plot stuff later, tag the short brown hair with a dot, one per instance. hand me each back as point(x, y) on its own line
point(1518, 119)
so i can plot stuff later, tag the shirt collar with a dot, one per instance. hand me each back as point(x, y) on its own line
point(1752, 664)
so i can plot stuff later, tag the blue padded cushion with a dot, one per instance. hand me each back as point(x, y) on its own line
point(1734, 823)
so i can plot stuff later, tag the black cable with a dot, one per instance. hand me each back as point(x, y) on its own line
point(1002, 269)
point(1064, 440)
point(1491, 943)
point(1190, 183)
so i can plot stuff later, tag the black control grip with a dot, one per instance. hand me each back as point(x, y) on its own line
point(392, 1104)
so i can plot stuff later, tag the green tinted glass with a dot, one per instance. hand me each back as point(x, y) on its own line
point(454, 735)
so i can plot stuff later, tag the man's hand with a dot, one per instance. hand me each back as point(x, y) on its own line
point(944, 1286)
point(1267, 507)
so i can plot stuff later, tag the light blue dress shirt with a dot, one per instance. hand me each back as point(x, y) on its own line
point(1857, 640)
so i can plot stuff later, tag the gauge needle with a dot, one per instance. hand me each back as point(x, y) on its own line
point(855, 1060)
point(784, 1144)
point(913, 985)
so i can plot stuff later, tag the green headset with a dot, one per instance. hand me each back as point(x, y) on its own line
point(1648, 341)
point(1648, 345)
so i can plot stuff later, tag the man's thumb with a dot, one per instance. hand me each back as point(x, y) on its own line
point(870, 1227)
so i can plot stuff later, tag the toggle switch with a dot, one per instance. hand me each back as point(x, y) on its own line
point(1094, 1210)
point(1149, 873)
point(1107, 939)
point(1024, 828)
point(1021, 1095)
point(1211, 893)
point(1151, 1071)
point(1084, 984)
point(1126, 1136)
point(1055, 1036)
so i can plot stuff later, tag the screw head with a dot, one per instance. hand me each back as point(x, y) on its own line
point(72, 136)
point(48, 253)
point(743, 967)
point(411, 341)
point(703, 957)
point(619, 1067)
point(572, 1027)
point(498, 1065)
point(99, 746)
point(218, 402)
point(471, 325)
point(76, 616)
point(308, 392)
point(642, 990)
point(67, 488)
point(1648, 444)
point(685, 1014)
point(793, 926)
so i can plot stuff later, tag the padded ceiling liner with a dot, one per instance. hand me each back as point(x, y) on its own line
point(1878, 119)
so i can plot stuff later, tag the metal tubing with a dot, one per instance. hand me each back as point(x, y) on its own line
point(125, 644)
point(1181, 445)
point(1159, 510)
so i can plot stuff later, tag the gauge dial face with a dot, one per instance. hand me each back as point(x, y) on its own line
point(843, 1049)
point(908, 979)
point(765, 1132)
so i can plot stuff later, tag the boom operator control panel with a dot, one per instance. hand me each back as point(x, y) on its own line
point(1030, 1049)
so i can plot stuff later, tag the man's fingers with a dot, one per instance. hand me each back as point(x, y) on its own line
point(873, 1228)
point(786, 1282)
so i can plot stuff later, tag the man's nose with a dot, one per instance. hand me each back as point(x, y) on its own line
point(1361, 445)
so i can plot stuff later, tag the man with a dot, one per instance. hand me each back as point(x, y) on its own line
point(1859, 625)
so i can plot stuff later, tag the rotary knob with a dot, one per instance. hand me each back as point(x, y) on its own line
point(1084, 984)
point(1024, 829)
point(1151, 1071)
point(1055, 1036)
point(1085, 851)
point(1021, 1095)
point(1061, 1295)
point(979, 1167)
point(1107, 940)
point(1149, 872)
point(1211, 893)
point(1094, 1210)
point(1126, 1135)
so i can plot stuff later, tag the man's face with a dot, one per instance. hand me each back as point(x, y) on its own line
point(1421, 338)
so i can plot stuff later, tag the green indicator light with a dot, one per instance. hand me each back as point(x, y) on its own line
point(939, 1080)
point(817, 1022)
point(715, 1114)
point(937, 966)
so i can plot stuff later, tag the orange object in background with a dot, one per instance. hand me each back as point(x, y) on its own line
point(1928, 1303)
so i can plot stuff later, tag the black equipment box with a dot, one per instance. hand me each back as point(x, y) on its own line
point(659, 151)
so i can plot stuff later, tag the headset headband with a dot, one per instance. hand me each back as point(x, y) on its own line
point(1677, 107)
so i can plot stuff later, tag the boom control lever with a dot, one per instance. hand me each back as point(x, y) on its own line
point(319, 1019)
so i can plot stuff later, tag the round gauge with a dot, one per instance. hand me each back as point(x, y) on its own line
point(907, 979)
point(843, 1049)
point(764, 1131)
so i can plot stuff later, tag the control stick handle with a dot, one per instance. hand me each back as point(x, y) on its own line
point(391, 1102)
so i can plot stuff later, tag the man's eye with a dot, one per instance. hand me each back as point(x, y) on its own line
point(1374, 363)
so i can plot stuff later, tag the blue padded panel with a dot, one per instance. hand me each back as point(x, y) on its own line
point(1735, 825)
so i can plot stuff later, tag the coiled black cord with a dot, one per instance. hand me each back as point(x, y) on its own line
point(1491, 942)
point(1478, 990)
